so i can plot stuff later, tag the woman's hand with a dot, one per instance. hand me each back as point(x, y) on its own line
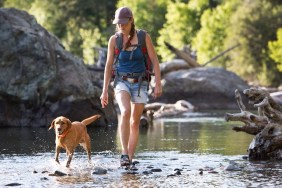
point(104, 99)
point(158, 90)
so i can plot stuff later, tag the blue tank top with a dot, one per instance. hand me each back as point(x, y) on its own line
point(134, 65)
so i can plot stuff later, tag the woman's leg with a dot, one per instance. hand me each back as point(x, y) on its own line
point(137, 110)
point(123, 100)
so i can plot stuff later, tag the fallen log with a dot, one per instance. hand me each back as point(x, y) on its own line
point(158, 110)
point(186, 57)
point(266, 125)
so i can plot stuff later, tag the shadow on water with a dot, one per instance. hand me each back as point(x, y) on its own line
point(194, 150)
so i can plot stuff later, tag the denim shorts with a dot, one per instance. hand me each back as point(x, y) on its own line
point(132, 89)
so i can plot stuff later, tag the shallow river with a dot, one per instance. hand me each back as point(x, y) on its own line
point(195, 150)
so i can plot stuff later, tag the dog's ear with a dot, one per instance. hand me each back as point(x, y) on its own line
point(69, 123)
point(52, 125)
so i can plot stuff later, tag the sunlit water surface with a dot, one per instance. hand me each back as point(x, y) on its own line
point(200, 145)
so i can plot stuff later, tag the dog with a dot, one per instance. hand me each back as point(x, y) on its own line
point(70, 134)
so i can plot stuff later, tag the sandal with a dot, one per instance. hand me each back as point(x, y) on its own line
point(124, 160)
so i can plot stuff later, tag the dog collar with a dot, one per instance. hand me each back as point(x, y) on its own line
point(64, 134)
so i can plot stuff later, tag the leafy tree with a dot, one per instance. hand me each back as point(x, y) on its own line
point(80, 24)
point(20, 4)
point(182, 24)
point(252, 25)
point(275, 48)
point(209, 41)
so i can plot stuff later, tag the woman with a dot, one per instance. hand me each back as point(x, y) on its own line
point(130, 97)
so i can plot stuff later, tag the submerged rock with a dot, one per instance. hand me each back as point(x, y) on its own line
point(13, 184)
point(99, 171)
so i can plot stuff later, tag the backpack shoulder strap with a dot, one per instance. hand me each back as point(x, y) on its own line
point(141, 35)
point(119, 41)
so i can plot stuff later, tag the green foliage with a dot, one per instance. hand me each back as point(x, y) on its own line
point(80, 25)
point(20, 4)
point(275, 48)
point(182, 24)
point(210, 39)
point(179, 28)
point(253, 25)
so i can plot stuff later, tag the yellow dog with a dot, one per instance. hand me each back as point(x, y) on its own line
point(70, 134)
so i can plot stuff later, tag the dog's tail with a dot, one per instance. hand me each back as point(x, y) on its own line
point(91, 119)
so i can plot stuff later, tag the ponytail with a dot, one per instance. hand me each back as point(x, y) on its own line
point(131, 35)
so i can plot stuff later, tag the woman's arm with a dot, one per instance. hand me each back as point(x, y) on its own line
point(108, 71)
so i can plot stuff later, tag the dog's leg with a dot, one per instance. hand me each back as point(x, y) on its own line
point(87, 147)
point(70, 155)
point(57, 154)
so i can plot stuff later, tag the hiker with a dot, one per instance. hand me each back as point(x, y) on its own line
point(130, 79)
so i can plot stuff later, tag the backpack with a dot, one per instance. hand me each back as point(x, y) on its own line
point(141, 35)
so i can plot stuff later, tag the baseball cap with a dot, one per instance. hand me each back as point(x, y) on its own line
point(122, 15)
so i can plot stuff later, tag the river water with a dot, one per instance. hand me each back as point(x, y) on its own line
point(194, 150)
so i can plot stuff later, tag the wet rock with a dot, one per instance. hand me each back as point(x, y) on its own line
point(156, 170)
point(58, 173)
point(245, 157)
point(147, 172)
point(171, 175)
point(131, 172)
point(150, 166)
point(201, 171)
point(131, 168)
point(135, 162)
point(177, 169)
point(233, 166)
point(13, 184)
point(44, 179)
point(35, 172)
point(178, 172)
point(99, 171)
point(213, 172)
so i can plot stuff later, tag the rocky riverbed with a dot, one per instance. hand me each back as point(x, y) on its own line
point(195, 150)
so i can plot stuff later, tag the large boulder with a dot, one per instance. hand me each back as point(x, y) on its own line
point(40, 80)
point(203, 87)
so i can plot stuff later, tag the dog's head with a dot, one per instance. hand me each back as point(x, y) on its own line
point(255, 95)
point(60, 124)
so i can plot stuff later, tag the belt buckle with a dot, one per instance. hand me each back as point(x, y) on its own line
point(130, 80)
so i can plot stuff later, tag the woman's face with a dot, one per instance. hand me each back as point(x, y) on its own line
point(125, 27)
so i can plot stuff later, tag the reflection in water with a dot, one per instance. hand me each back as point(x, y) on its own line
point(197, 141)
point(211, 136)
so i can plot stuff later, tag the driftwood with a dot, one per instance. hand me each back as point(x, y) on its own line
point(183, 55)
point(266, 125)
point(158, 110)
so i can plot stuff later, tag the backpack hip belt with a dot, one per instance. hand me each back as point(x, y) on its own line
point(131, 78)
